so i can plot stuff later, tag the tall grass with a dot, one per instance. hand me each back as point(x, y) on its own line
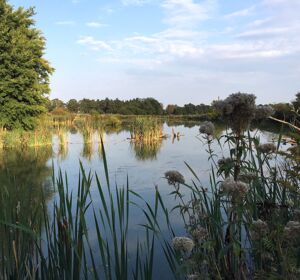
point(146, 129)
point(56, 243)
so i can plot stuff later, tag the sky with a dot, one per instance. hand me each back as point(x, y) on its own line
point(177, 51)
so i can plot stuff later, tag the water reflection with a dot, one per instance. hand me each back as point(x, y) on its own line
point(23, 172)
point(25, 183)
point(146, 150)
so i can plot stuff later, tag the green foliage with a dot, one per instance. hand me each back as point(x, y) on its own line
point(72, 105)
point(24, 73)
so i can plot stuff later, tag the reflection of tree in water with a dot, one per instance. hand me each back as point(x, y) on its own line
point(146, 150)
point(25, 182)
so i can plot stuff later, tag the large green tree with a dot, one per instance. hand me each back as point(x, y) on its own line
point(24, 73)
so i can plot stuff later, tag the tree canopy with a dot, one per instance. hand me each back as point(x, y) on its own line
point(24, 72)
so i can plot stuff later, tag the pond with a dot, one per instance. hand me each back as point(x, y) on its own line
point(24, 172)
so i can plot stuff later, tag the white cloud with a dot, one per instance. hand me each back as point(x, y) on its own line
point(263, 33)
point(241, 13)
point(95, 24)
point(187, 12)
point(93, 44)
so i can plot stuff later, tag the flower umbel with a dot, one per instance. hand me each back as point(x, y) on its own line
point(235, 189)
point(267, 148)
point(207, 128)
point(174, 177)
point(184, 244)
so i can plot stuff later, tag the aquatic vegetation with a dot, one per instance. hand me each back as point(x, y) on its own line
point(146, 129)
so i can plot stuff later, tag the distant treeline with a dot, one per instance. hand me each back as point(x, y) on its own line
point(150, 106)
point(137, 106)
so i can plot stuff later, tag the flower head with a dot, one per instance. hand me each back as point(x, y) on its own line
point(247, 177)
point(207, 128)
point(267, 148)
point(184, 244)
point(235, 189)
point(199, 234)
point(174, 177)
point(225, 161)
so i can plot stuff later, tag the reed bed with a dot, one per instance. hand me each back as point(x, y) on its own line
point(56, 244)
point(146, 129)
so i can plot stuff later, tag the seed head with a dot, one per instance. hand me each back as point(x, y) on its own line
point(235, 189)
point(174, 177)
point(207, 128)
point(247, 177)
point(184, 244)
point(199, 234)
point(267, 148)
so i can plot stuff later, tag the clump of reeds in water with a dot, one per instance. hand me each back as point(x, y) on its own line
point(63, 140)
point(88, 139)
point(146, 129)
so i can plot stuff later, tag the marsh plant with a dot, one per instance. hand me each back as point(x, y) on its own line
point(146, 129)
point(245, 223)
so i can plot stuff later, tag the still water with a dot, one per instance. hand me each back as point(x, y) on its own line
point(24, 172)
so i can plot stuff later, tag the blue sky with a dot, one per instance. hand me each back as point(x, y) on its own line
point(177, 51)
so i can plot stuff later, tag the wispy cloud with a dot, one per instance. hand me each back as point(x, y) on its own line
point(188, 12)
point(93, 44)
point(241, 13)
point(95, 24)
